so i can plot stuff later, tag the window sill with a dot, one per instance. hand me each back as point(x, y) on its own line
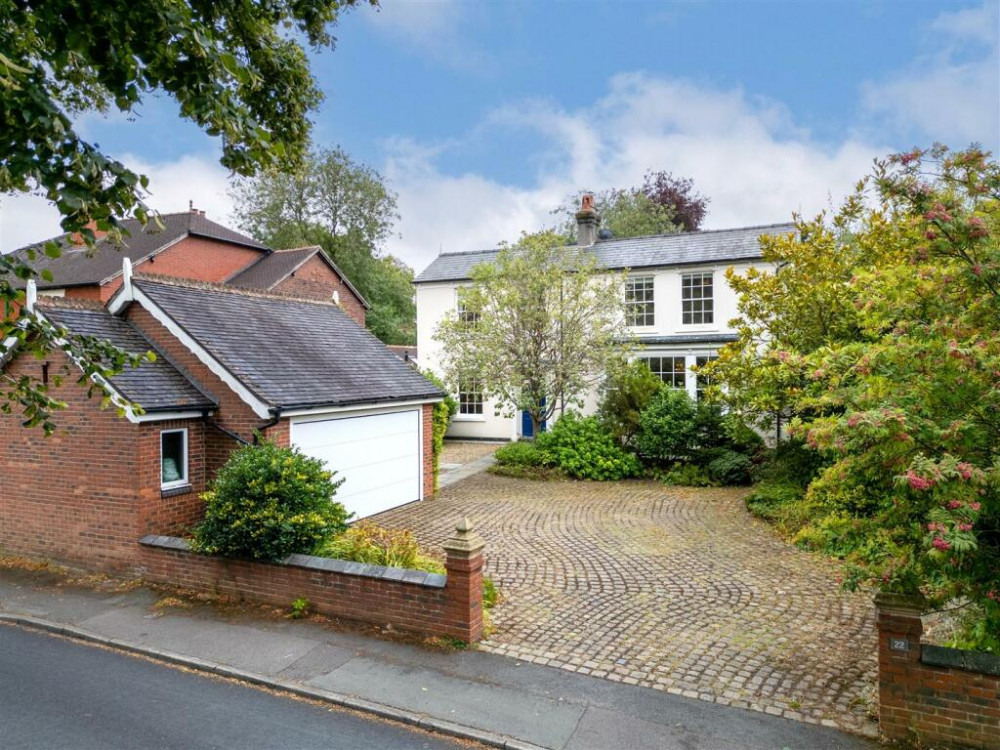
point(174, 491)
point(469, 418)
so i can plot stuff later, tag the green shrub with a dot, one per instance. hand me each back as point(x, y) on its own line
point(730, 468)
point(625, 393)
point(668, 427)
point(688, 475)
point(790, 462)
point(490, 594)
point(440, 419)
point(521, 453)
point(583, 448)
point(366, 542)
point(267, 503)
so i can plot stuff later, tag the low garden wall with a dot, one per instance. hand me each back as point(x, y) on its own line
point(439, 605)
point(931, 695)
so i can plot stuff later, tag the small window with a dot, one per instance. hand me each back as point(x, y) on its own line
point(697, 302)
point(671, 370)
point(470, 397)
point(702, 381)
point(173, 459)
point(639, 306)
point(467, 316)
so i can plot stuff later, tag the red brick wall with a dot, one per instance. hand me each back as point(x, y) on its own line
point(931, 705)
point(428, 437)
point(200, 259)
point(195, 258)
point(316, 280)
point(87, 493)
point(454, 610)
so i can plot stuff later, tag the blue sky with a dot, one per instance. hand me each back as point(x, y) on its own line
point(484, 116)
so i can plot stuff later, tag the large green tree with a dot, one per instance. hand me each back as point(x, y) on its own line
point(346, 208)
point(537, 328)
point(882, 338)
point(237, 70)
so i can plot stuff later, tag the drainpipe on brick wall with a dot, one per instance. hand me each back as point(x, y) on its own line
point(266, 426)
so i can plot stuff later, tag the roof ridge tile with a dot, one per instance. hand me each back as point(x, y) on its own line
point(209, 286)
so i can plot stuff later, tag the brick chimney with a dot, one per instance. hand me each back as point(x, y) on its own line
point(77, 238)
point(587, 222)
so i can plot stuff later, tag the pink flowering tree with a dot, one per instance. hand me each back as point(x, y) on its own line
point(902, 393)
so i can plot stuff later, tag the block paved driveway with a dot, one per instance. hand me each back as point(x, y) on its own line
point(676, 589)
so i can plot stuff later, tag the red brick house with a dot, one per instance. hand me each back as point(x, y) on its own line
point(231, 363)
point(191, 246)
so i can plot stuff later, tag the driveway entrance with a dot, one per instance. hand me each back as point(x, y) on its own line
point(675, 589)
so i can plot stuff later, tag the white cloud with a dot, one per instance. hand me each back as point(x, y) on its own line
point(952, 93)
point(746, 154)
point(25, 219)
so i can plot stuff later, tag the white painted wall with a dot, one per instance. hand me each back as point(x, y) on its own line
point(436, 300)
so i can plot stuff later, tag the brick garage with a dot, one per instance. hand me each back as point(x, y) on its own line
point(88, 493)
point(930, 695)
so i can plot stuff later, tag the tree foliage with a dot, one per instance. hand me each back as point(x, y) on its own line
point(347, 209)
point(899, 385)
point(664, 204)
point(237, 70)
point(687, 206)
point(538, 327)
point(626, 391)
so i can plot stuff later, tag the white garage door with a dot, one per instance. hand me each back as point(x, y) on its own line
point(377, 456)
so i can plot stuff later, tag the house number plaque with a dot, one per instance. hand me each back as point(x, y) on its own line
point(899, 644)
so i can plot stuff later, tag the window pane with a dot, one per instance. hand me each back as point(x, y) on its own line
point(470, 398)
point(696, 298)
point(173, 459)
point(639, 303)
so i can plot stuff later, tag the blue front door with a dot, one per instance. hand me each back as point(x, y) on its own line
point(527, 429)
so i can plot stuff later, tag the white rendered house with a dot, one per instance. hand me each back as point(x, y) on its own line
point(677, 299)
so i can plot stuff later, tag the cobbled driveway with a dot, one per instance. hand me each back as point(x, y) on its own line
point(675, 589)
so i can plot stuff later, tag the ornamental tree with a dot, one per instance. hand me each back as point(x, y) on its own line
point(902, 394)
point(237, 70)
point(537, 328)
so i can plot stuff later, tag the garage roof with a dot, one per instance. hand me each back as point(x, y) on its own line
point(289, 353)
point(155, 386)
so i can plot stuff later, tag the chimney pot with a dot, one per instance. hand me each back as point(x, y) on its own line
point(587, 222)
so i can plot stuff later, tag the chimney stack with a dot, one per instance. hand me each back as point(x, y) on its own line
point(587, 222)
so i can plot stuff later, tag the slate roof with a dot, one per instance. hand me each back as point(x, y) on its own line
point(272, 269)
point(685, 248)
point(288, 352)
point(155, 386)
point(75, 267)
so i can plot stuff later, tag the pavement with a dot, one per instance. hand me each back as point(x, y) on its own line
point(58, 693)
point(496, 700)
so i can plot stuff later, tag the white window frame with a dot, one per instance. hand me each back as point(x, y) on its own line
point(185, 480)
point(470, 415)
point(701, 300)
point(673, 373)
point(631, 304)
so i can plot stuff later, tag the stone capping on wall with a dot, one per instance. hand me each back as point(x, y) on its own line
point(957, 658)
point(310, 562)
point(431, 604)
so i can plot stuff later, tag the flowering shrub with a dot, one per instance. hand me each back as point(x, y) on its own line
point(267, 503)
point(584, 449)
point(883, 347)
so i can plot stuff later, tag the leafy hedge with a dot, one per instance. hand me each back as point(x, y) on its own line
point(440, 419)
point(267, 503)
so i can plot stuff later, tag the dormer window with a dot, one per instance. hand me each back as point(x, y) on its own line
point(639, 306)
point(697, 300)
